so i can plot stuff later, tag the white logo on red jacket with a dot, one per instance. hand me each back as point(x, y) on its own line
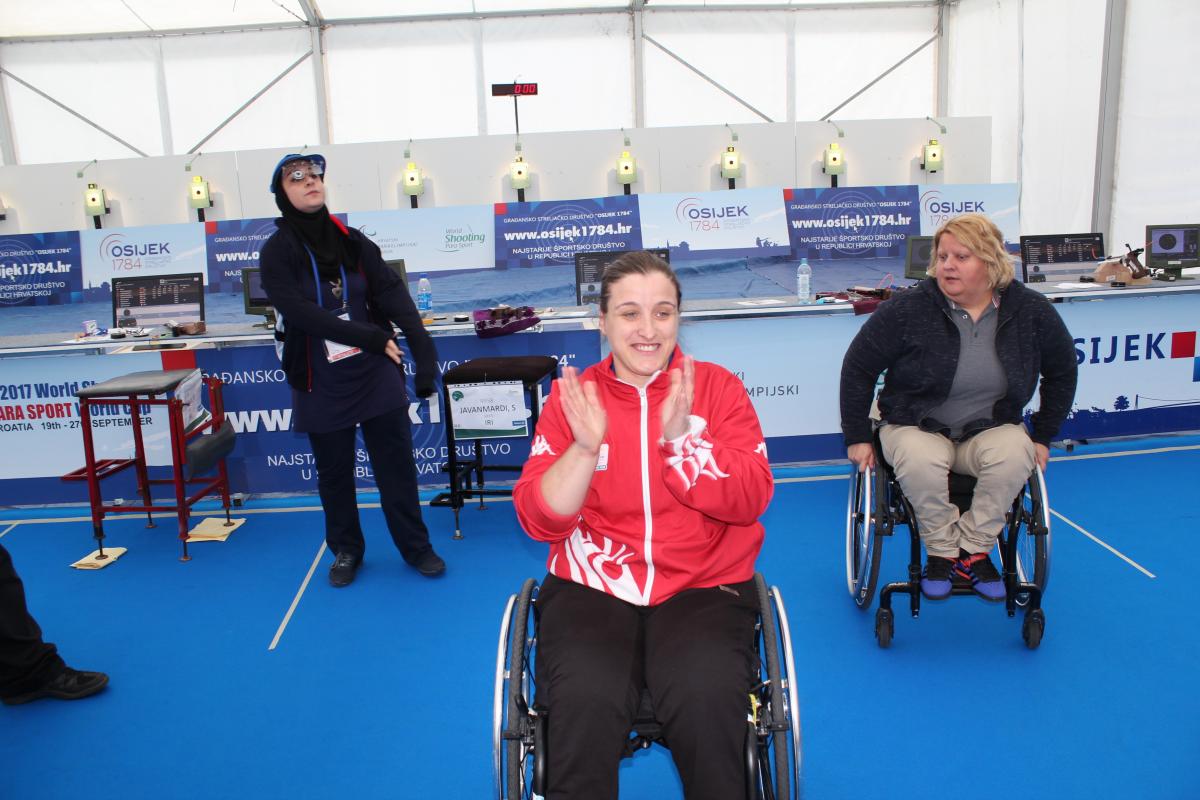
point(597, 562)
point(540, 447)
point(694, 457)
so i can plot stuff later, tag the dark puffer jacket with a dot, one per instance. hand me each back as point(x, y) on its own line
point(287, 275)
point(913, 337)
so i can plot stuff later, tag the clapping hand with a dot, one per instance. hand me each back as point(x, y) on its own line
point(583, 409)
point(678, 406)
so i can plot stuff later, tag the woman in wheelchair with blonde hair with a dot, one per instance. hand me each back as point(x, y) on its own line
point(647, 476)
point(963, 352)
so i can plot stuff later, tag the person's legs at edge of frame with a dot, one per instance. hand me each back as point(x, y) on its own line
point(589, 675)
point(30, 667)
point(700, 668)
point(1001, 459)
point(333, 453)
point(389, 444)
point(922, 462)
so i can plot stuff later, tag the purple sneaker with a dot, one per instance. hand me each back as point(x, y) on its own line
point(935, 578)
point(981, 572)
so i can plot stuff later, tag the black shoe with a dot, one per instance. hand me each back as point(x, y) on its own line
point(981, 572)
point(935, 579)
point(70, 684)
point(430, 564)
point(343, 569)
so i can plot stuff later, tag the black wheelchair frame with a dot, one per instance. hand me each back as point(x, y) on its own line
point(877, 505)
point(519, 726)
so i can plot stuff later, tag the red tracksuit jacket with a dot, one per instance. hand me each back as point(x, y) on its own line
point(660, 517)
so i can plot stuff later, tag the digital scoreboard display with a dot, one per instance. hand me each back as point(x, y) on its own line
point(513, 89)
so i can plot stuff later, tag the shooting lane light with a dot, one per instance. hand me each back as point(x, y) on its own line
point(95, 203)
point(731, 163)
point(414, 183)
point(518, 173)
point(626, 168)
point(932, 156)
point(834, 162)
point(199, 196)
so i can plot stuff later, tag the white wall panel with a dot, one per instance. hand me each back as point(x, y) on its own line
point(840, 52)
point(581, 63)
point(983, 74)
point(400, 81)
point(1158, 147)
point(111, 83)
point(210, 77)
point(1063, 53)
point(744, 52)
point(474, 170)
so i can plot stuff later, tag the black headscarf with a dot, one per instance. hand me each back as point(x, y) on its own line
point(317, 230)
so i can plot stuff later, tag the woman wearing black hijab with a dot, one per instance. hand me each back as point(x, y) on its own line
point(338, 301)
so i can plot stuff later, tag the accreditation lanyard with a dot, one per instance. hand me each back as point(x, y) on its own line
point(334, 351)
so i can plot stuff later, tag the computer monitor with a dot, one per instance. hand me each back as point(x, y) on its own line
point(1059, 255)
point(150, 300)
point(397, 265)
point(590, 266)
point(256, 301)
point(1172, 248)
point(918, 255)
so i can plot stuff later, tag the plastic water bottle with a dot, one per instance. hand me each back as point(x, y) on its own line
point(424, 295)
point(804, 294)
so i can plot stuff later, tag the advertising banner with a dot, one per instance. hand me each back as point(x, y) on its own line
point(432, 239)
point(737, 223)
point(232, 245)
point(851, 222)
point(552, 232)
point(1139, 366)
point(39, 415)
point(40, 269)
point(795, 395)
point(271, 457)
point(134, 252)
point(999, 201)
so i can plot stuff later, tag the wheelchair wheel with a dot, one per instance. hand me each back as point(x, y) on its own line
point(513, 725)
point(1032, 628)
point(885, 626)
point(864, 542)
point(777, 727)
point(1031, 509)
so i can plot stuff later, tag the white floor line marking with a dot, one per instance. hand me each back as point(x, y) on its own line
point(1150, 452)
point(1106, 546)
point(233, 512)
point(9, 528)
point(811, 478)
point(296, 601)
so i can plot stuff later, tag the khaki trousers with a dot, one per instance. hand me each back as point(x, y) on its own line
point(1001, 460)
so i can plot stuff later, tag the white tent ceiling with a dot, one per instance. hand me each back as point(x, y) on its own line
point(38, 18)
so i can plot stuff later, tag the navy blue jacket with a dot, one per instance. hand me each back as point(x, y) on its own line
point(913, 337)
point(287, 278)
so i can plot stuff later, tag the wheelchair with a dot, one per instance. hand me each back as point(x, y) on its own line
point(877, 505)
point(772, 753)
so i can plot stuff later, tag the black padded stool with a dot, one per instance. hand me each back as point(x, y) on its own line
point(191, 453)
point(530, 371)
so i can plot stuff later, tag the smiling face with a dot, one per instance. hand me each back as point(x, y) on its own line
point(961, 275)
point(642, 325)
point(306, 194)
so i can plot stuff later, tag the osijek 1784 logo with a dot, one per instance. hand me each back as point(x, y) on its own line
point(130, 256)
point(700, 217)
